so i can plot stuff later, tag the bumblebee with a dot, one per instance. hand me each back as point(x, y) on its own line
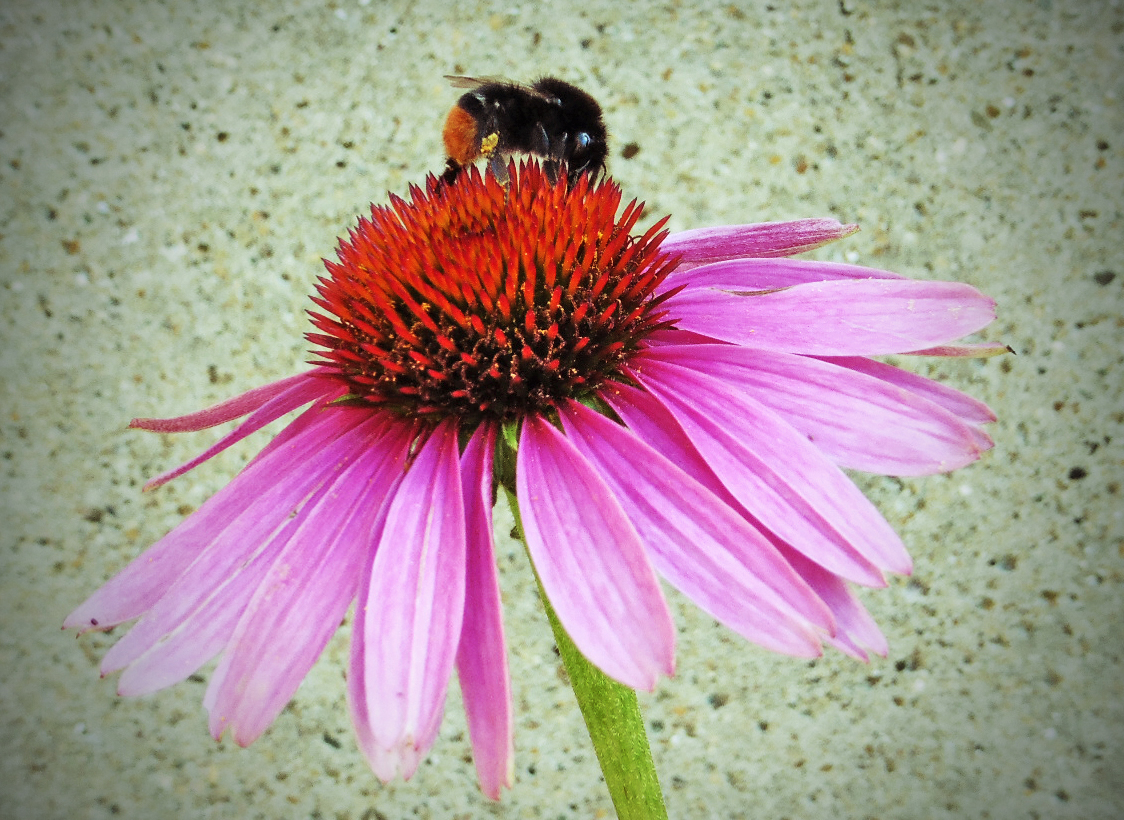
point(550, 119)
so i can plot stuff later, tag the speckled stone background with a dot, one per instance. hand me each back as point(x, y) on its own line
point(172, 173)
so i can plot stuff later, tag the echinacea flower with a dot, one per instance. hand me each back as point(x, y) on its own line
point(679, 406)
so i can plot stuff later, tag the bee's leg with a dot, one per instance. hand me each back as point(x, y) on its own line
point(552, 167)
point(452, 171)
point(575, 173)
point(551, 153)
point(497, 163)
point(540, 142)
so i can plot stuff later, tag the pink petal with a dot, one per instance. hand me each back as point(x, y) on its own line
point(299, 605)
point(980, 350)
point(136, 588)
point(646, 416)
point(357, 705)
point(298, 394)
point(208, 629)
point(838, 318)
point(306, 419)
point(858, 421)
point(591, 561)
point(481, 655)
point(409, 613)
point(201, 637)
point(737, 275)
point(239, 406)
point(703, 547)
point(856, 633)
point(703, 245)
point(959, 404)
point(221, 568)
point(778, 475)
point(671, 336)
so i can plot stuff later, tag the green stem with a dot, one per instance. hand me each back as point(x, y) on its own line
point(612, 716)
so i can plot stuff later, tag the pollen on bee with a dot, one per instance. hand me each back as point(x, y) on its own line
point(488, 144)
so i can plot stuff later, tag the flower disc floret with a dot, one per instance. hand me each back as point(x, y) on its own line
point(480, 300)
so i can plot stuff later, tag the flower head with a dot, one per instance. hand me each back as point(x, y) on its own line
point(478, 302)
point(682, 406)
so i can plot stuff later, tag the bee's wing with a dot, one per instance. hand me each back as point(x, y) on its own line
point(459, 81)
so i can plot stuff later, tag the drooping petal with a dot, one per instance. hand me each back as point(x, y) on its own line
point(248, 402)
point(703, 547)
point(409, 613)
point(764, 239)
point(591, 561)
point(298, 393)
point(260, 530)
point(858, 421)
point(865, 317)
point(300, 604)
point(481, 655)
point(257, 490)
point(778, 475)
point(738, 275)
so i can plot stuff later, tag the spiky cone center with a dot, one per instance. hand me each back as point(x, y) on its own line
point(481, 300)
